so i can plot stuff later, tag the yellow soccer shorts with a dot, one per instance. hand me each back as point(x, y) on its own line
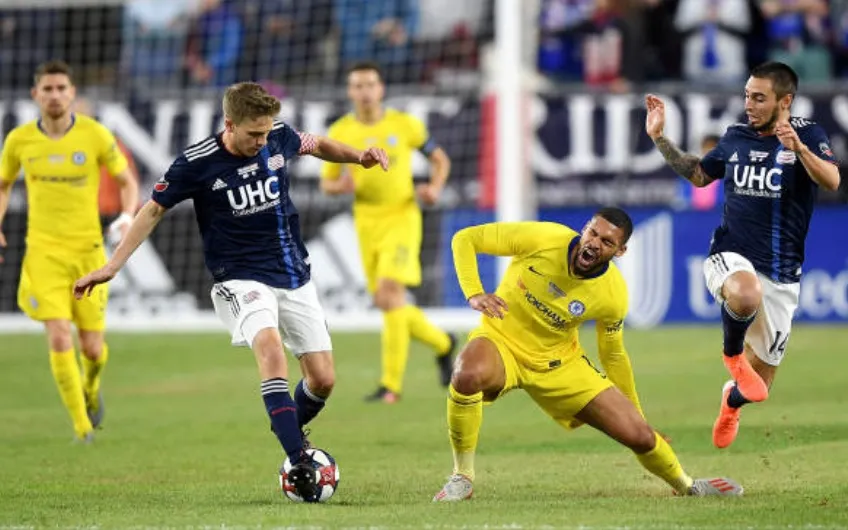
point(45, 291)
point(561, 391)
point(390, 246)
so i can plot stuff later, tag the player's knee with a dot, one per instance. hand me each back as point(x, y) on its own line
point(321, 384)
point(270, 356)
point(642, 438)
point(467, 380)
point(743, 294)
point(389, 295)
point(92, 347)
point(59, 336)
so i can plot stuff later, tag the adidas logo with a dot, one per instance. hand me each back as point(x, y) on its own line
point(219, 184)
point(734, 157)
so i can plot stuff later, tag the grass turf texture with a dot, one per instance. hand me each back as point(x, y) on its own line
point(186, 443)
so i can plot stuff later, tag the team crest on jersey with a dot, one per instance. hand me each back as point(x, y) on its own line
point(276, 162)
point(786, 157)
point(758, 156)
point(825, 149)
point(248, 171)
point(555, 291)
point(576, 308)
point(78, 158)
point(161, 185)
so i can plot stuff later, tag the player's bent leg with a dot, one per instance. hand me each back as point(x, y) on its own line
point(390, 298)
point(66, 373)
point(742, 294)
point(95, 354)
point(616, 416)
point(479, 371)
point(260, 330)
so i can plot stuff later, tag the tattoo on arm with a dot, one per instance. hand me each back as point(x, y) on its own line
point(684, 164)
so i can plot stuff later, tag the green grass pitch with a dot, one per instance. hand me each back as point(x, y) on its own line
point(186, 443)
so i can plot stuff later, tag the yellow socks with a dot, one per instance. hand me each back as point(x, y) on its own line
point(662, 462)
point(66, 372)
point(425, 331)
point(465, 415)
point(91, 371)
point(395, 348)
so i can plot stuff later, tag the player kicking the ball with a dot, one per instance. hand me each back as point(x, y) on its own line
point(557, 280)
point(253, 248)
point(772, 168)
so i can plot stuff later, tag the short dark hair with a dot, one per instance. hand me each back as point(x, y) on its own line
point(782, 76)
point(53, 67)
point(366, 66)
point(619, 218)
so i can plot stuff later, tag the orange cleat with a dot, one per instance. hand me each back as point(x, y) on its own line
point(750, 384)
point(726, 426)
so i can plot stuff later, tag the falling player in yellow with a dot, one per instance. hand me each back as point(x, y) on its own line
point(61, 155)
point(557, 280)
point(388, 220)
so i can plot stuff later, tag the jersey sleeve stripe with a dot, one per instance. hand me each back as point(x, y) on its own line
point(199, 146)
point(200, 154)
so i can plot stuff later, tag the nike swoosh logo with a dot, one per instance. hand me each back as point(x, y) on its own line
point(534, 271)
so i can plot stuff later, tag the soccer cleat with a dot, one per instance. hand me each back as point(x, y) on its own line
point(383, 394)
point(725, 487)
point(458, 488)
point(304, 477)
point(445, 361)
point(750, 384)
point(726, 426)
point(95, 409)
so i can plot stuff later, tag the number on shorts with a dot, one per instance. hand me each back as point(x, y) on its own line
point(777, 346)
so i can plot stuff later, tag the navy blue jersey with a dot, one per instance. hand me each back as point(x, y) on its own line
point(249, 225)
point(769, 197)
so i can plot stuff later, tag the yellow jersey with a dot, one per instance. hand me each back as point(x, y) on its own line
point(62, 178)
point(546, 302)
point(400, 135)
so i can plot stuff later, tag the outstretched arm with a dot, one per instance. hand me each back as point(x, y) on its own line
point(684, 164)
point(140, 229)
point(334, 151)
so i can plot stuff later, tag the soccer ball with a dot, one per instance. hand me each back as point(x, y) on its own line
point(327, 475)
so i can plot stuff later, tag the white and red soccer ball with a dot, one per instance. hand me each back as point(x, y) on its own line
point(326, 471)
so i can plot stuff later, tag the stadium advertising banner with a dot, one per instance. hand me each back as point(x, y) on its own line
point(663, 264)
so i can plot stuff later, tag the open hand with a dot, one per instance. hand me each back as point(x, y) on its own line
point(655, 120)
point(428, 193)
point(490, 305)
point(87, 283)
point(373, 156)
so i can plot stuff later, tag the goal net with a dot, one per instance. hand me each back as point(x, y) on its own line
point(153, 71)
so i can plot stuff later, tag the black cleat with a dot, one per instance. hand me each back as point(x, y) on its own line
point(383, 394)
point(445, 361)
point(304, 478)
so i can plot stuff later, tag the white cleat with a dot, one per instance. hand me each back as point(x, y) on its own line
point(725, 487)
point(458, 488)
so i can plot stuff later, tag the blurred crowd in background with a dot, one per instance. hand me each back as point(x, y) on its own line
point(609, 43)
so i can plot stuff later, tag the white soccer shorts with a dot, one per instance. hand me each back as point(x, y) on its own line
point(769, 333)
point(297, 314)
